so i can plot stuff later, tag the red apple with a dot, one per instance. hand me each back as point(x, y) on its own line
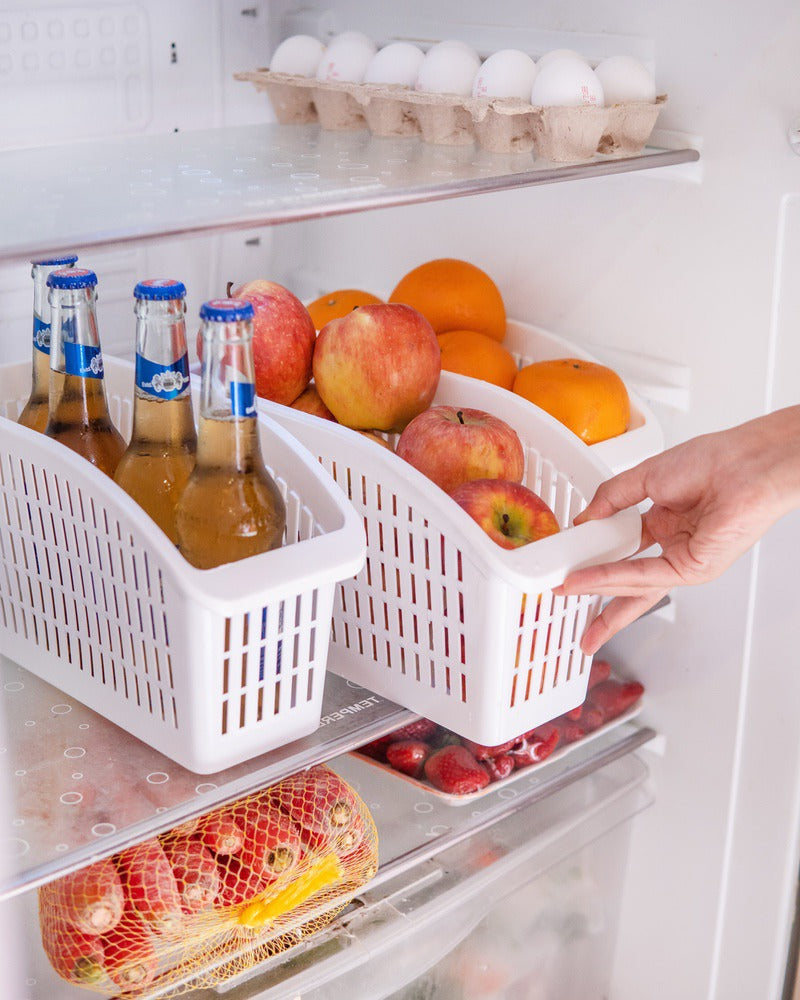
point(283, 340)
point(309, 402)
point(452, 446)
point(377, 367)
point(509, 513)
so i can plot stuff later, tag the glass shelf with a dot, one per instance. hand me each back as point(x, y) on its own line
point(135, 189)
point(78, 787)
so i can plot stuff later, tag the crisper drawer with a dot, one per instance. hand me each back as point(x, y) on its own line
point(526, 895)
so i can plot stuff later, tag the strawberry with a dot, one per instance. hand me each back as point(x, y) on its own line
point(480, 751)
point(534, 748)
point(421, 729)
point(574, 713)
point(195, 872)
point(499, 767)
point(592, 719)
point(454, 770)
point(612, 698)
point(408, 756)
point(600, 671)
point(91, 899)
point(377, 748)
point(569, 731)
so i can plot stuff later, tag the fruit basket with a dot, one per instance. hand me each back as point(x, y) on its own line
point(210, 667)
point(214, 897)
point(643, 438)
point(441, 619)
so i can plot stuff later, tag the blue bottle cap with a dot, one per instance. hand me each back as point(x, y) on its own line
point(67, 258)
point(72, 277)
point(160, 289)
point(226, 310)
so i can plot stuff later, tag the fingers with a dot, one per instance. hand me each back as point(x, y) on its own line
point(615, 616)
point(630, 578)
point(621, 491)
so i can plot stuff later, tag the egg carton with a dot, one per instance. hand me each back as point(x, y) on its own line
point(498, 125)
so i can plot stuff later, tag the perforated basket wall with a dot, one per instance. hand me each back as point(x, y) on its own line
point(441, 619)
point(209, 667)
point(215, 896)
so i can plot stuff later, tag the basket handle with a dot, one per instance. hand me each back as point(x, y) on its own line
point(606, 540)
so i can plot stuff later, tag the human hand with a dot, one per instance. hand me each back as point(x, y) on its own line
point(712, 498)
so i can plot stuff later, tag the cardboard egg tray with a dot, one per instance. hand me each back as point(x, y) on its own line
point(498, 125)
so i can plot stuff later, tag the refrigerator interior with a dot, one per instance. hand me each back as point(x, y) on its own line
point(681, 277)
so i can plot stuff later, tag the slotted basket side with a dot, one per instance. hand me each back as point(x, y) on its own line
point(441, 619)
point(209, 667)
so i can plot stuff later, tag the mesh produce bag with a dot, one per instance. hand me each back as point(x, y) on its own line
point(214, 896)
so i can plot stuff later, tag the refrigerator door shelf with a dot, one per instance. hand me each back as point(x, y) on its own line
point(131, 189)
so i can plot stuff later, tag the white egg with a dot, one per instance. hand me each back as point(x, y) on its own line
point(352, 36)
point(448, 68)
point(625, 79)
point(555, 54)
point(346, 58)
point(507, 73)
point(567, 83)
point(398, 62)
point(299, 54)
point(454, 43)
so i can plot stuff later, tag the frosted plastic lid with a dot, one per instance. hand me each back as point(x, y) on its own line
point(72, 277)
point(160, 289)
point(226, 310)
point(67, 258)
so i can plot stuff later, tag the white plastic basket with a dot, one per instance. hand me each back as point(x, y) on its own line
point(210, 667)
point(644, 436)
point(443, 620)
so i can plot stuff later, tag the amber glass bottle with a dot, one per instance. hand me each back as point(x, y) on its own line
point(79, 416)
point(161, 452)
point(231, 507)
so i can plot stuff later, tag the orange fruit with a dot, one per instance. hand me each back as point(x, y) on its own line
point(454, 295)
point(469, 353)
point(585, 396)
point(336, 304)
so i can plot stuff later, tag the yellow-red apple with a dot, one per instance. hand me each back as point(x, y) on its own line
point(377, 367)
point(309, 402)
point(452, 445)
point(283, 340)
point(510, 513)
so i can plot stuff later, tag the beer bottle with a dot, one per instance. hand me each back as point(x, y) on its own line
point(35, 412)
point(79, 416)
point(161, 453)
point(231, 507)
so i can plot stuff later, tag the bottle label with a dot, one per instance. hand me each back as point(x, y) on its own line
point(85, 360)
point(41, 335)
point(162, 381)
point(243, 399)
